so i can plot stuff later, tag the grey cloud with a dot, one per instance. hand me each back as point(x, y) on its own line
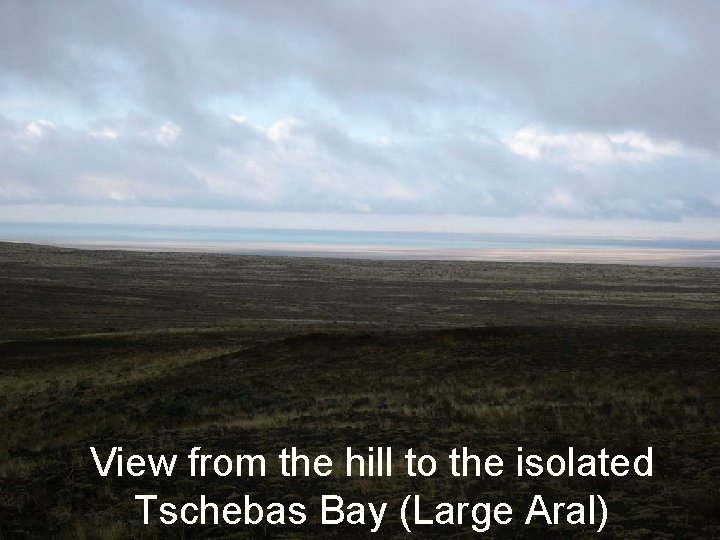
point(295, 165)
point(605, 66)
point(572, 67)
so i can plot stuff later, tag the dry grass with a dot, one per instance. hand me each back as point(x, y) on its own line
point(159, 353)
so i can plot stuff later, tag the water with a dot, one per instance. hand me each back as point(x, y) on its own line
point(369, 244)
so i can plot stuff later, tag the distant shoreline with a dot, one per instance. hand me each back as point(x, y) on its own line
point(571, 255)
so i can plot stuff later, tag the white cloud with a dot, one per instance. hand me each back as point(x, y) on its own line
point(580, 149)
point(105, 133)
point(31, 134)
point(637, 146)
point(282, 129)
point(37, 129)
point(301, 164)
point(167, 134)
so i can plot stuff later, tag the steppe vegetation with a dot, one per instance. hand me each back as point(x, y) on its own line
point(161, 352)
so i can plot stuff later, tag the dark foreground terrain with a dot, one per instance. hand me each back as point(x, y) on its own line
point(161, 352)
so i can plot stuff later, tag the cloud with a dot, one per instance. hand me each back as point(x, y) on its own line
point(167, 133)
point(105, 133)
point(36, 129)
point(296, 164)
point(478, 108)
point(579, 149)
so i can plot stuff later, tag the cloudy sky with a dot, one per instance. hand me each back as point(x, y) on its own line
point(520, 112)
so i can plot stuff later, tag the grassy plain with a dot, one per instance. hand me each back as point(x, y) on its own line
point(159, 352)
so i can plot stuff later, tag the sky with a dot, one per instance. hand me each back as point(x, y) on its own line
point(592, 116)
